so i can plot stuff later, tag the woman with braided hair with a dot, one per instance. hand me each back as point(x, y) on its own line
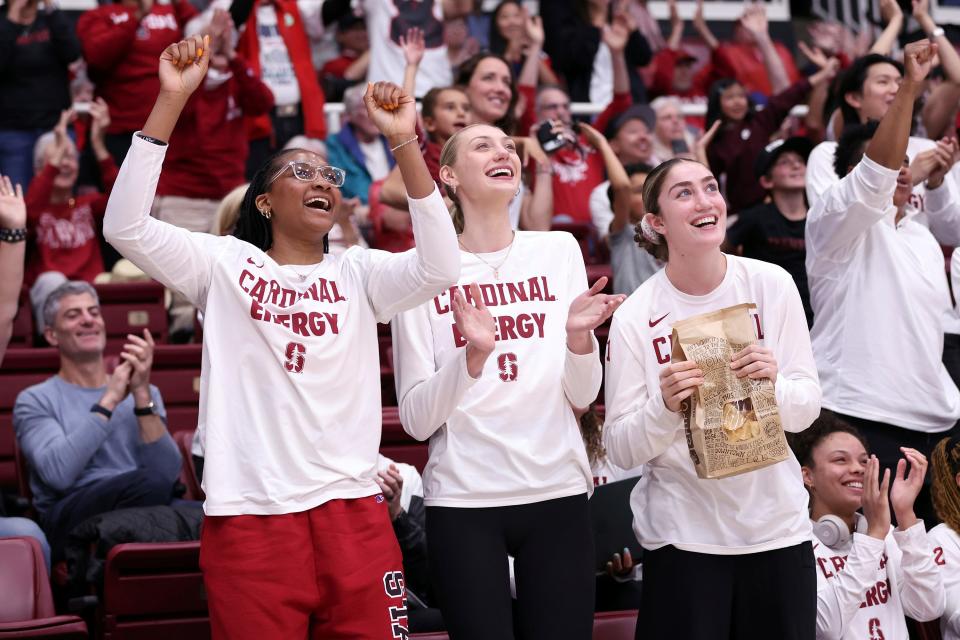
point(945, 537)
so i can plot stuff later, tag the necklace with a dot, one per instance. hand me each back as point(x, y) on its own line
point(304, 276)
point(495, 268)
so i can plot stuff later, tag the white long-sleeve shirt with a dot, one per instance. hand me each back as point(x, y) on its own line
point(510, 436)
point(865, 588)
point(946, 555)
point(752, 512)
point(289, 407)
point(879, 296)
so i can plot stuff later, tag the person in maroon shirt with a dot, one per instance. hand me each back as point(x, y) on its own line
point(63, 228)
point(121, 43)
point(737, 132)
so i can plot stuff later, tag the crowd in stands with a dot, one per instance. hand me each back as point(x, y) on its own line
point(835, 222)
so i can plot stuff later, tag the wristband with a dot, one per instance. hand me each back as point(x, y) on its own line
point(159, 143)
point(149, 410)
point(102, 410)
point(394, 149)
point(13, 235)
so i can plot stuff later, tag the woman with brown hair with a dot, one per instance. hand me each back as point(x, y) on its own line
point(945, 537)
point(710, 545)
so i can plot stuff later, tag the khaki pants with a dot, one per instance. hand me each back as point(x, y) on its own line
point(195, 214)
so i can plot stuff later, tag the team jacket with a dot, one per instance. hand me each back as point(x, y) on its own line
point(752, 512)
point(879, 294)
point(946, 555)
point(289, 417)
point(510, 436)
point(865, 588)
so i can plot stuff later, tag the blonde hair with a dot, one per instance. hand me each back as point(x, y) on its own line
point(448, 157)
point(225, 220)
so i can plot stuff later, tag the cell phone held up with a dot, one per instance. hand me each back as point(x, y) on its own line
point(551, 136)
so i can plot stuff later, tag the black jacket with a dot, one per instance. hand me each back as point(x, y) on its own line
point(34, 85)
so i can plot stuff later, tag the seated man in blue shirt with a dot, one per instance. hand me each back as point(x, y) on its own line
point(95, 442)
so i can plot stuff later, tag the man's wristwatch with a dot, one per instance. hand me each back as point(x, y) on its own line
point(149, 410)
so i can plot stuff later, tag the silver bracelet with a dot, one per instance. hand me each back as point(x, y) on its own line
point(394, 149)
point(936, 33)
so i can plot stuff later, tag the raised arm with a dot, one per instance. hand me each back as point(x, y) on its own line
point(702, 28)
point(755, 21)
point(180, 259)
point(530, 72)
point(13, 217)
point(397, 282)
point(537, 212)
point(619, 180)
point(891, 14)
point(413, 47)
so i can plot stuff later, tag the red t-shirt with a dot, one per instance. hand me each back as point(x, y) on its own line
point(122, 56)
point(63, 236)
point(208, 149)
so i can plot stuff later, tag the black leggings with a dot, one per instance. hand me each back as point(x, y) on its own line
point(700, 596)
point(552, 543)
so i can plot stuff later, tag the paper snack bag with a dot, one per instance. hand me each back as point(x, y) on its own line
point(732, 424)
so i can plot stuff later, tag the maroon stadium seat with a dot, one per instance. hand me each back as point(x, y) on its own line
point(26, 608)
point(154, 592)
point(131, 307)
point(615, 625)
point(586, 234)
point(188, 475)
point(397, 445)
point(176, 373)
point(924, 630)
point(23, 325)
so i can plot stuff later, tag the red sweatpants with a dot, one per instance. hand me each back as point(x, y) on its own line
point(332, 572)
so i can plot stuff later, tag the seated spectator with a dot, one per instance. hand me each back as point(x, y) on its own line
point(64, 226)
point(869, 574)
point(671, 136)
point(388, 20)
point(744, 131)
point(945, 537)
point(209, 148)
point(880, 363)
point(94, 441)
point(25, 528)
point(121, 43)
point(774, 230)
point(632, 142)
point(359, 148)
point(36, 46)
point(350, 67)
point(273, 40)
point(631, 264)
point(579, 50)
point(509, 38)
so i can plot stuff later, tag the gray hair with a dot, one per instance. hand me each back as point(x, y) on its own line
point(353, 98)
point(40, 147)
point(666, 101)
point(51, 305)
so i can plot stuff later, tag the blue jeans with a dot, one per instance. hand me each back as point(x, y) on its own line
point(16, 154)
point(20, 527)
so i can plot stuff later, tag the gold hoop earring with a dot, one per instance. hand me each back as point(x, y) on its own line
point(266, 213)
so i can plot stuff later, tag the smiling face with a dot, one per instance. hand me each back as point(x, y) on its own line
point(300, 209)
point(789, 171)
point(901, 194)
point(509, 19)
point(669, 123)
point(633, 142)
point(690, 211)
point(489, 91)
point(485, 164)
point(451, 112)
point(554, 104)
point(78, 330)
point(733, 102)
point(879, 89)
point(835, 478)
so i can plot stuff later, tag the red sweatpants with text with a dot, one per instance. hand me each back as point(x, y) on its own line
point(332, 572)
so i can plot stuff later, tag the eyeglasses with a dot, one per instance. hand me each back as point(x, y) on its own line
point(308, 173)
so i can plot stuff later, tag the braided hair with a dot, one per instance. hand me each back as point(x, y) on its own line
point(946, 494)
point(252, 225)
point(591, 429)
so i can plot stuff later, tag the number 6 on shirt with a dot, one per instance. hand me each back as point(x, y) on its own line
point(296, 355)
